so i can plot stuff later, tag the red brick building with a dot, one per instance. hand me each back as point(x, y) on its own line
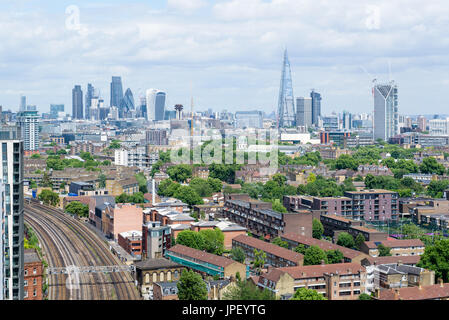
point(33, 275)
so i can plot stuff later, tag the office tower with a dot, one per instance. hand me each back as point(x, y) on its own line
point(55, 110)
point(331, 123)
point(28, 122)
point(155, 105)
point(286, 106)
point(304, 112)
point(143, 108)
point(23, 102)
point(179, 108)
point(408, 122)
point(347, 120)
point(249, 119)
point(11, 153)
point(77, 102)
point(316, 107)
point(422, 123)
point(127, 104)
point(116, 92)
point(89, 96)
point(385, 110)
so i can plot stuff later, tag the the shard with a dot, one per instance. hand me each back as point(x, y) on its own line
point(286, 108)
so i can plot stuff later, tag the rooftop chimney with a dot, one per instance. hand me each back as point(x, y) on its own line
point(322, 262)
point(441, 283)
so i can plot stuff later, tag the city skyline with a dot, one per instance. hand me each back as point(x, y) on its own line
point(230, 68)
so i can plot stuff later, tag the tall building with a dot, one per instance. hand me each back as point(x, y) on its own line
point(249, 119)
point(304, 112)
point(11, 153)
point(155, 101)
point(116, 92)
point(347, 120)
point(386, 115)
point(422, 123)
point(89, 96)
point(316, 107)
point(28, 121)
point(77, 102)
point(127, 104)
point(286, 106)
point(23, 102)
point(55, 109)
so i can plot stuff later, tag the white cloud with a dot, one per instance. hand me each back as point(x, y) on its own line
point(186, 5)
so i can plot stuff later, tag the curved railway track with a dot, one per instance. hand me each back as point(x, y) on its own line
point(66, 242)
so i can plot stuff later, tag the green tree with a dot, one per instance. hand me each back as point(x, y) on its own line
point(384, 251)
point(346, 240)
point(33, 184)
point(191, 286)
point(238, 254)
point(202, 187)
point(86, 156)
point(359, 240)
point(180, 173)
point(437, 187)
point(314, 255)
point(77, 208)
point(246, 290)
point(277, 241)
point(436, 258)
point(213, 241)
point(277, 206)
point(431, 165)
point(188, 195)
point(191, 239)
point(215, 184)
point(102, 181)
point(301, 249)
point(140, 177)
point(49, 197)
point(46, 181)
point(259, 260)
point(115, 144)
point(317, 228)
point(35, 156)
point(334, 256)
point(346, 162)
point(307, 294)
point(365, 296)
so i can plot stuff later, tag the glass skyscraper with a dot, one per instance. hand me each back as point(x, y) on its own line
point(286, 105)
point(155, 105)
point(127, 104)
point(304, 112)
point(386, 117)
point(116, 92)
point(77, 102)
point(316, 107)
point(89, 95)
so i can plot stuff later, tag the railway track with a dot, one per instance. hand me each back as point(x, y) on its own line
point(68, 242)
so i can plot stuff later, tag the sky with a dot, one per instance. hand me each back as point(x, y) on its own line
point(227, 53)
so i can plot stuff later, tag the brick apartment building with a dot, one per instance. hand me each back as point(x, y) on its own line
point(120, 218)
point(333, 225)
point(342, 281)
point(349, 255)
point(276, 255)
point(131, 241)
point(33, 275)
point(368, 205)
point(438, 291)
point(411, 247)
point(259, 218)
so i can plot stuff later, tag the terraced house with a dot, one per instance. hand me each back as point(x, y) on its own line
point(410, 247)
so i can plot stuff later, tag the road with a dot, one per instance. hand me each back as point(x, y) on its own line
point(65, 242)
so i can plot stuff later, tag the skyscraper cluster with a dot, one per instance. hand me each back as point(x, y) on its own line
point(121, 106)
point(307, 111)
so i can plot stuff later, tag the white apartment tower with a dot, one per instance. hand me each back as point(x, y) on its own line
point(386, 117)
point(11, 153)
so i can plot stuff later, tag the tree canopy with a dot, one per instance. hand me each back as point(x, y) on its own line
point(307, 294)
point(191, 286)
point(77, 208)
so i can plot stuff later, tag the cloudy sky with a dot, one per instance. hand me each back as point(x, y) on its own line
point(229, 50)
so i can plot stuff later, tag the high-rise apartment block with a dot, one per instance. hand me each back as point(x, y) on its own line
point(386, 117)
point(304, 112)
point(28, 121)
point(11, 190)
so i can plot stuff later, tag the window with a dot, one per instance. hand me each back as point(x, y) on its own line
point(34, 293)
point(25, 294)
point(34, 271)
point(34, 281)
point(26, 272)
point(25, 283)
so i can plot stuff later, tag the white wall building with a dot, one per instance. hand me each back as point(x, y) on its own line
point(439, 127)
